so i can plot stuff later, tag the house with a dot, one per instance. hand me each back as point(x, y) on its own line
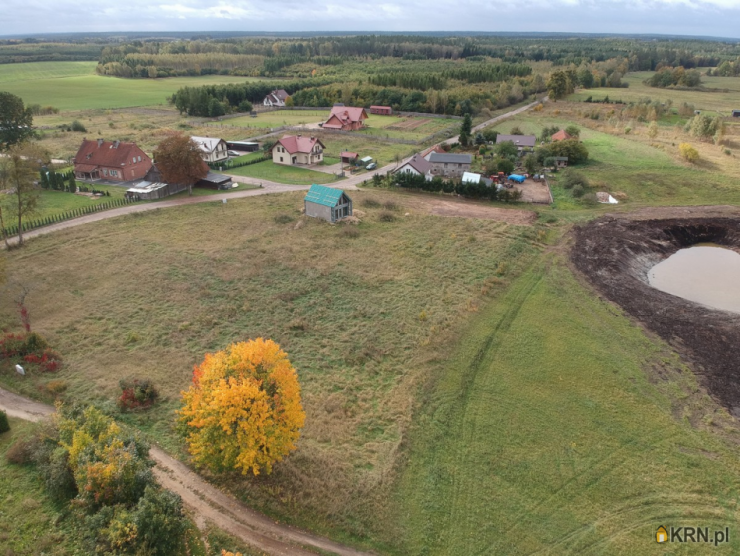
point(215, 181)
point(327, 203)
point(296, 149)
point(522, 142)
point(560, 161)
point(471, 177)
point(345, 118)
point(381, 110)
point(736, 113)
point(110, 160)
point(153, 187)
point(436, 148)
point(348, 157)
point(276, 98)
point(213, 149)
point(416, 165)
point(560, 136)
point(449, 165)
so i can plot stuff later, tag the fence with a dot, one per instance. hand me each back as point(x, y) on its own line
point(67, 215)
point(229, 165)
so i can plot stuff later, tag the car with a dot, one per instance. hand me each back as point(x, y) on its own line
point(371, 166)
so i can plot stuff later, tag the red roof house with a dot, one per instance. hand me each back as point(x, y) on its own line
point(345, 118)
point(296, 149)
point(111, 160)
point(381, 110)
point(561, 136)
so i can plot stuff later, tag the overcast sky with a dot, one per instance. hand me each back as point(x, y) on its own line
point(683, 17)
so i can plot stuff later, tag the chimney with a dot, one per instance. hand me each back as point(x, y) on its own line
point(299, 135)
point(100, 143)
point(115, 145)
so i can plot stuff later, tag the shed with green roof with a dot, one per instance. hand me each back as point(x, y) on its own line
point(327, 203)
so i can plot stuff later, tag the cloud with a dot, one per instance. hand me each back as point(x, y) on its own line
point(692, 17)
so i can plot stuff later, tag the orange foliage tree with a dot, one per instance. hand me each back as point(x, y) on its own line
point(243, 410)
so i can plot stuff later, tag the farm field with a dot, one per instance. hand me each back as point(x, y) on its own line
point(75, 86)
point(291, 175)
point(413, 128)
point(359, 328)
point(720, 102)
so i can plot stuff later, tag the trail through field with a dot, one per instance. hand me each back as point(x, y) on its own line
point(207, 501)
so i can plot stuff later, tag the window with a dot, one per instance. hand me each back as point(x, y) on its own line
point(281, 159)
point(105, 172)
point(139, 159)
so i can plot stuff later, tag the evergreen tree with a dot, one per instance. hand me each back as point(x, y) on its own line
point(465, 130)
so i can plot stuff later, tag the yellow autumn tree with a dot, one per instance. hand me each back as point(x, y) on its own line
point(243, 410)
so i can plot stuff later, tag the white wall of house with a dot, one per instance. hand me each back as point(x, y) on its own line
point(280, 155)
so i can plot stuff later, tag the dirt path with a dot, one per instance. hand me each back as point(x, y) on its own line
point(206, 501)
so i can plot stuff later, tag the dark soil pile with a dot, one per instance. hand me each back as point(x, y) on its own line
point(616, 254)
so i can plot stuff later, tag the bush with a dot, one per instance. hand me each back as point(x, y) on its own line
point(137, 393)
point(386, 216)
point(283, 219)
point(77, 126)
point(371, 203)
point(21, 452)
point(4, 425)
point(390, 205)
point(571, 179)
point(351, 232)
point(578, 191)
point(688, 153)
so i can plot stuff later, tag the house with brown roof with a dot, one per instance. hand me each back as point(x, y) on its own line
point(110, 160)
point(297, 149)
point(522, 142)
point(561, 135)
point(276, 98)
point(346, 118)
point(416, 165)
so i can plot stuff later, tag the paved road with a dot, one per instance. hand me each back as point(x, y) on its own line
point(206, 501)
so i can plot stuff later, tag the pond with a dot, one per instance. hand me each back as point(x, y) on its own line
point(707, 274)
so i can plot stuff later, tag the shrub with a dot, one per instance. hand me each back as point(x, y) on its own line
point(137, 393)
point(371, 203)
point(77, 126)
point(4, 425)
point(688, 153)
point(350, 232)
point(571, 178)
point(56, 387)
point(283, 219)
point(390, 205)
point(578, 191)
point(21, 452)
point(386, 216)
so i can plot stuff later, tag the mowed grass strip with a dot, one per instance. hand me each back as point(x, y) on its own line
point(280, 173)
point(57, 202)
point(558, 427)
point(80, 91)
point(363, 311)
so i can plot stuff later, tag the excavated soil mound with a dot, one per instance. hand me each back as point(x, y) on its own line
point(616, 253)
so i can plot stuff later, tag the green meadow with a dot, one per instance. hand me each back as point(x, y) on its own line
point(76, 86)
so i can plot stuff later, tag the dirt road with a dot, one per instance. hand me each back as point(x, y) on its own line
point(206, 501)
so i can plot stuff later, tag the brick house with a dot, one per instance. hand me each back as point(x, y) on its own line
point(110, 160)
point(296, 149)
point(346, 118)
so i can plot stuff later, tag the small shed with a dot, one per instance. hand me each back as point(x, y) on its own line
point(327, 203)
point(381, 110)
point(215, 181)
point(560, 161)
point(148, 191)
point(736, 113)
point(243, 146)
point(367, 160)
point(348, 157)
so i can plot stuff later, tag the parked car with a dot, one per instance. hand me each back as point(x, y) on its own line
point(371, 166)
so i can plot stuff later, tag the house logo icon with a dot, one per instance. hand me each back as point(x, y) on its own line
point(661, 535)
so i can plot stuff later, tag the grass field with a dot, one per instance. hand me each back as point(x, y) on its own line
point(723, 102)
point(56, 202)
point(28, 516)
point(395, 127)
point(358, 316)
point(292, 175)
point(75, 86)
point(279, 118)
point(549, 432)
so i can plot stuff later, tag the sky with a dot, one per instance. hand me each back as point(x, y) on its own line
point(719, 18)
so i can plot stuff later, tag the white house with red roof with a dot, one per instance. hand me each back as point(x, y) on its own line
point(110, 160)
point(297, 149)
point(346, 118)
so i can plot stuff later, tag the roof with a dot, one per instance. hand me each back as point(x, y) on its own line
point(146, 187)
point(518, 140)
point(448, 157)
point(471, 177)
point(298, 144)
point(87, 168)
point(216, 178)
point(207, 144)
point(110, 154)
point(561, 135)
point(366, 159)
point(418, 163)
point(435, 148)
point(322, 195)
point(560, 158)
point(346, 115)
point(279, 95)
point(383, 107)
point(348, 154)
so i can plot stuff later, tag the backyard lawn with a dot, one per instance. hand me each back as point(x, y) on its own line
point(279, 118)
point(291, 175)
point(56, 202)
